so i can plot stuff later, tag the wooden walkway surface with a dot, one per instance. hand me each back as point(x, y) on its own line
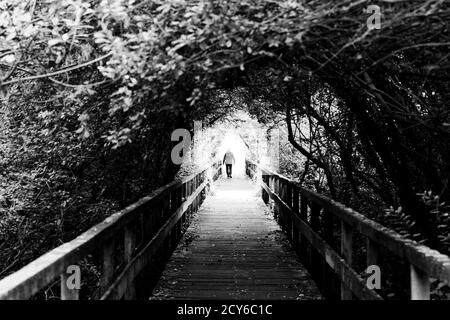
point(234, 250)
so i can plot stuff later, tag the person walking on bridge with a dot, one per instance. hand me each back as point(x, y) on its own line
point(228, 160)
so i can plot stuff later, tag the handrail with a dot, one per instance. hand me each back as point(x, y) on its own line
point(156, 220)
point(305, 214)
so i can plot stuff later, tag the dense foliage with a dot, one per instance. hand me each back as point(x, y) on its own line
point(92, 90)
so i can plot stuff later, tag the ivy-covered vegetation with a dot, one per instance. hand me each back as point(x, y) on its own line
point(91, 91)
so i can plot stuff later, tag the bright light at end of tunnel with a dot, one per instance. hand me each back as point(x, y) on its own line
point(234, 143)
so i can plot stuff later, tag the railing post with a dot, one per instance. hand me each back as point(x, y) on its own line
point(420, 284)
point(179, 197)
point(315, 257)
point(303, 217)
point(372, 252)
point(183, 198)
point(196, 184)
point(166, 214)
point(288, 216)
point(346, 252)
point(149, 222)
point(129, 247)
point(328, 226)
point(276, 188)
point(328, 276)
point(108, 266)
point(281, 208)
point(181, 222)
point(295, 200)
point(129, 242)
point(315, 216)
point(289, 194)
point(304, 208)
point(295, 208)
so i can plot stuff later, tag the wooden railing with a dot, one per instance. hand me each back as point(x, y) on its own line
point(127, 243)
point(313, 223)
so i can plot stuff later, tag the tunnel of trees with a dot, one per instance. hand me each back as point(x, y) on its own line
point(92, 90)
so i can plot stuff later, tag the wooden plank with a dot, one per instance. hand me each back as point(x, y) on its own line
point(236, 252)
point(420, 284)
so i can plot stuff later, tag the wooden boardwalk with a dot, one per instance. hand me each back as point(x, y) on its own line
point(234, 250)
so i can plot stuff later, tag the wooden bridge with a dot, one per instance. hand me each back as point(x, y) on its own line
point(264, 237)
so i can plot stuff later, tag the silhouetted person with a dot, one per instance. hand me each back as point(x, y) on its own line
point(228, 159)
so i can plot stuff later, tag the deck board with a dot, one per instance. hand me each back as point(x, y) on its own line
point(234, 250)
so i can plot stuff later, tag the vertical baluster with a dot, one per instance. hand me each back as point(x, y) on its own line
point(129, 248)
point(295, 209)
point(315, 217)
point(328, 226)
point(181, 222)
point(303, 217)
point(303, 208)
point(173, 237)
point(195, 189)
point(315, 257)
point(165, 216)
point(273, 188)
point(185, 197)
point(289, 194)
point(184, 192)
point(420, 284)
point(328, 277)
point(191, 191)
point(108, 266)
point(142, 228)
point(295, 200)
point(288, 214)
point(372, 252)
point(281, 211)
point(276, 187)
point(149, 221)
point(199, 182)
point(129, 242)
point(263, 192)
point(346, 252)
point(191, 188)
point(178, 231)
point(169, 202)
point(173, 200)
point(166, 207)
